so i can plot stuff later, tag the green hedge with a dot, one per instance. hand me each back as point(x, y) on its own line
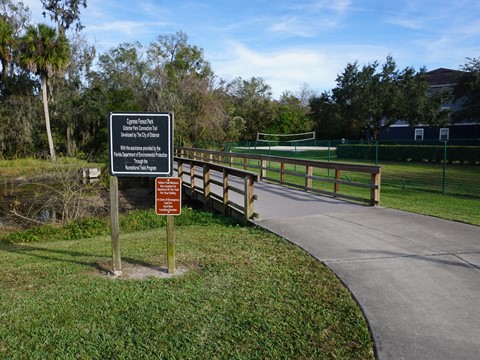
point(416, 153)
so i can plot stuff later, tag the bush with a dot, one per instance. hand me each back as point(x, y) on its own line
point(137, 220)
point(417, 153)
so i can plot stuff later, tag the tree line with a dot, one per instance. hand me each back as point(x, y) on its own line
point(56, 92)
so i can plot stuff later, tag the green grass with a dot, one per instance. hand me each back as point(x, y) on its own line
point(27, 166)
point(132, 221)
point(247, 294)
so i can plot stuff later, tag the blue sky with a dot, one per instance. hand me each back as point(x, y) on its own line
point(293, 43)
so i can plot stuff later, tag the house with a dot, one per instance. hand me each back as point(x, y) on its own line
point(439, 79)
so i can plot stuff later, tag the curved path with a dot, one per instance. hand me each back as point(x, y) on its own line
point(416, 277)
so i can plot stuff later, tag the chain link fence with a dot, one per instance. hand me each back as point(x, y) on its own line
point(447, 167)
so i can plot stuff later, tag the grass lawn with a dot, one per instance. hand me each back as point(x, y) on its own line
point(246, 294)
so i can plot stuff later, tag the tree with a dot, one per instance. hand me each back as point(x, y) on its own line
point(64, 13)
point(14, 16)
point(468, 89)
point(45, 53)
point(6, 43)
point(327, 121)
point(290, 116)
point(172, 53)
point(375, 99)
point(181, 80)
point(252, 101)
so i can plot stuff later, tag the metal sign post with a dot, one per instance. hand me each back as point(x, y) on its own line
point(168, 201)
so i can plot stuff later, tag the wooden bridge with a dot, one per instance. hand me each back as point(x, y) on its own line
point(223, 180)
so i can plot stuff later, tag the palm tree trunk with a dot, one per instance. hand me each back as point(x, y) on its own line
point(47, 117)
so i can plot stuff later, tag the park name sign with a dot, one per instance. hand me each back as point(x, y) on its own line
point(140, 144)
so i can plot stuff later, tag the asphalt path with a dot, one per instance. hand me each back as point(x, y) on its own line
point(417, 278)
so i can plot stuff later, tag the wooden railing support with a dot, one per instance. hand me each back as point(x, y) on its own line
point(207, 200)
point(375, 191)
point(336, 185)
point(248, 198)
point(192, 177)
point(225, 192)
point(308, 179)
point(263, 169)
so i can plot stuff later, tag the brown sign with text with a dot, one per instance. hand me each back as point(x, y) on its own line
point(168, 196)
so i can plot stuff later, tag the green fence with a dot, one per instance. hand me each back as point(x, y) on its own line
point(451, 167)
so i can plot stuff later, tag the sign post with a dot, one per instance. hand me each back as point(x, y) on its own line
point(141, 145)
point(168, 201)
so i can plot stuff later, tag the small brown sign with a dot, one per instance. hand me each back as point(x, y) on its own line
point(168, 196)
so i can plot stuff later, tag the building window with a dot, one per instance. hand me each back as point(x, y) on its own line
point(418, 134)
point(444, 134)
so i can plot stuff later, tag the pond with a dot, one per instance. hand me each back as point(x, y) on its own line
point(61, 197)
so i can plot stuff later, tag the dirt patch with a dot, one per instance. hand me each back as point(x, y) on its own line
point(132, 271)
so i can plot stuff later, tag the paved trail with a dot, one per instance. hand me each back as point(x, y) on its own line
point(417, 278)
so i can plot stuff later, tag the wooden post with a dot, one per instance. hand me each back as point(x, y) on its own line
point(115, 227)
point(225, 192)
point(180, 170)
point(308, 181)
point(192, 178)
point(336, 186)
point(248, 200)
point(263, 170)
point(171, 244)
point(282, 174)
point(375, 192)
point(207, 200)
point(180, 175)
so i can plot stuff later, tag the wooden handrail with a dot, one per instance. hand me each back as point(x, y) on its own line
point(308, 175)
point(218, 200)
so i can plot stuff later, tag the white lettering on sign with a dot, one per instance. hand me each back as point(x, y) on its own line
point(141, 144)
point(168, 196)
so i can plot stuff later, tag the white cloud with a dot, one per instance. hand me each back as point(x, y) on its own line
point(289, 69)
point(407, 23)
point(339, 6)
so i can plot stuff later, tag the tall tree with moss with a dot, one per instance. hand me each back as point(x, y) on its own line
point(6, 44)
point(46, 53)
point(65, 13)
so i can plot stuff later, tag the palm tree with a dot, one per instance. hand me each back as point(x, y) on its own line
point(46, 53)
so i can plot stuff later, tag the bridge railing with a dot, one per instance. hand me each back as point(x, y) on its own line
point(198, 178)
point(339, 180)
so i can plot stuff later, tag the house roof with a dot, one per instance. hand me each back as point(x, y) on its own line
point(443, 77)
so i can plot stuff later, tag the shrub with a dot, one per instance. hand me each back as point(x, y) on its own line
point(417, 153)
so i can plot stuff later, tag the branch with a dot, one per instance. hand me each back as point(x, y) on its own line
point(14, 212)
